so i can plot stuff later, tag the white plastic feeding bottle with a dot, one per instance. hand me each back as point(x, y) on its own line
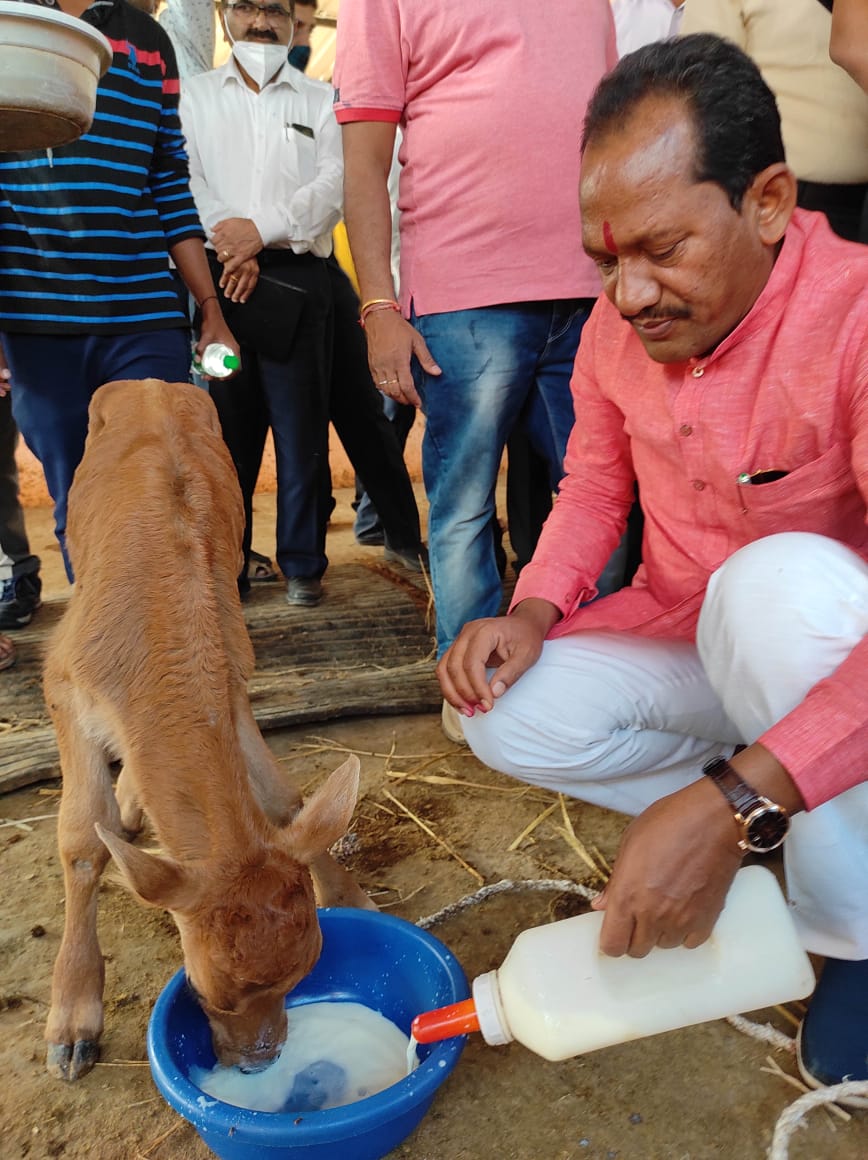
point(559, 996)
point(218, 360)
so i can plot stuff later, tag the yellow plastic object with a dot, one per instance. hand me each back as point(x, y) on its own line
point(343, 255)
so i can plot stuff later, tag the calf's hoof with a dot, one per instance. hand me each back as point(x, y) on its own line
point(71, 1063)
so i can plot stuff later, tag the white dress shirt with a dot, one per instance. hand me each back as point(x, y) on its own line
point(274, 156)
point(639, 22)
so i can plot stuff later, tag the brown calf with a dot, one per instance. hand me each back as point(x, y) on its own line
point(149, 666)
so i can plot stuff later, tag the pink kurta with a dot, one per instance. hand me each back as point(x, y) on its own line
point(786, 390)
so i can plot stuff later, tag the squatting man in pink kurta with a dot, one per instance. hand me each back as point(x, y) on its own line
point(722, 697)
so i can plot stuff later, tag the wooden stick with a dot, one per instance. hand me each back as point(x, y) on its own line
point(603, 861)
point(575, 842)
point(154, 1144)
point(440, 841)
point(441, 779)
point(529, 829)
point(22, 823)
point(788, 1015)
point(326, 745)
point(774, 1068)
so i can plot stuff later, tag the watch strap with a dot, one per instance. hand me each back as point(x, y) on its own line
point(738, 793)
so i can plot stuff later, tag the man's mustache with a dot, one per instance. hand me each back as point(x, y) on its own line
point(657, 314)
point(269, 36)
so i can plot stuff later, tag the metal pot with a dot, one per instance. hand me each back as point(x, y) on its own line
point(50, 64)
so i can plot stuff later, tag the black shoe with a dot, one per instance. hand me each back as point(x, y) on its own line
point(306, 590)
point(20, 597)
point(832, 1044)
point(372, 539)
point(413, 559)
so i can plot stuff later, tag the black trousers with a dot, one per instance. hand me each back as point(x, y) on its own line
point(291, 396)
point(356, 410)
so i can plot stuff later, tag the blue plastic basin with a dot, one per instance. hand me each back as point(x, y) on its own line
point(367, 957)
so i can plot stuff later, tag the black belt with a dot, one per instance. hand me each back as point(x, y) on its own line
point(273, 257)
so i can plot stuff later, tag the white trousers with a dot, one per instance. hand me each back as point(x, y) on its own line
point(620, 720)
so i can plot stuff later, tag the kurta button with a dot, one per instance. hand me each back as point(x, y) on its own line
point(685, 429)
point(698, 372)
point(699, 485)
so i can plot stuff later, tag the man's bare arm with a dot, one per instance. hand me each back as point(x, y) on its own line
point(368, 147)
point(392, 342)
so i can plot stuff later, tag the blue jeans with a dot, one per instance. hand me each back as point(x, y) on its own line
point(54, 378)
point(498, 362)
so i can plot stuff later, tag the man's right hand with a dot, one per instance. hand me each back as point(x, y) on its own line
point(508, 644)
point(392, 342)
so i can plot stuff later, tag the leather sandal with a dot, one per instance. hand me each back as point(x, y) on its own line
point(260, 568)
point(8, 653)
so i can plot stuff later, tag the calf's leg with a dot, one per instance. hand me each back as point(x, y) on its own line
point(75, 1020)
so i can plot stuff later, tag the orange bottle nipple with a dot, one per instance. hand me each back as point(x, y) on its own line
point(445, 1022)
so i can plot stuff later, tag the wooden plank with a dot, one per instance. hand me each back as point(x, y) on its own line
point(367, 650)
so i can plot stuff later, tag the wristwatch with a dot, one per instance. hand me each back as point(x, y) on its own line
point(764, 824)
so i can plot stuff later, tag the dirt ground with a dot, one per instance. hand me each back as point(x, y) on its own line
point(696, 1094)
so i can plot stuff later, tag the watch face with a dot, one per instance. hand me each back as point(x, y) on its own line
point(766, 828)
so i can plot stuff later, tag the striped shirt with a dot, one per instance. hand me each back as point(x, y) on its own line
point(86, 228)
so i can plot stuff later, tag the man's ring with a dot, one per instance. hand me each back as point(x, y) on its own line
point(227, 253)
point(386, 382)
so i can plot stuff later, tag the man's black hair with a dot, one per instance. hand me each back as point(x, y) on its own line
point(738, 127)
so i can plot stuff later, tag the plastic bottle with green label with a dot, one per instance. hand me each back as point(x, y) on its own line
point(218, 361)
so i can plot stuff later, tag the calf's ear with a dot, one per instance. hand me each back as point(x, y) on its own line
point(326, 815)
point(156, 880)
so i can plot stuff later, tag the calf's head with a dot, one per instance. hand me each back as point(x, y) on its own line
point(247, 916)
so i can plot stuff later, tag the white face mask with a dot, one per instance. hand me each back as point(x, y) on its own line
point(259, 60)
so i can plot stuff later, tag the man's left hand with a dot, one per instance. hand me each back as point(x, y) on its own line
point(239, 286)
point(234, 241)
point(672, 873)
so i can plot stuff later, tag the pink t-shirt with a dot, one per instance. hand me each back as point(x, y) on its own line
point(491, 97)
point(788, 389)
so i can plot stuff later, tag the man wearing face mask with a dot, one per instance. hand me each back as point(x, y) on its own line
point(266, 172)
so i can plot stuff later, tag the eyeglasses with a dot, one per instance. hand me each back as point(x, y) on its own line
point(273, 13)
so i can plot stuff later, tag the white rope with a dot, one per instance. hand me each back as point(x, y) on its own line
point(792, 1116)
point(764, 1032)
point(562, 885)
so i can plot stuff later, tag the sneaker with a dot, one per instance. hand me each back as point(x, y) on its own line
point(832, 1044)
point(450, 719)
point(305, 590)
point(20, 597)
point(413, 559)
